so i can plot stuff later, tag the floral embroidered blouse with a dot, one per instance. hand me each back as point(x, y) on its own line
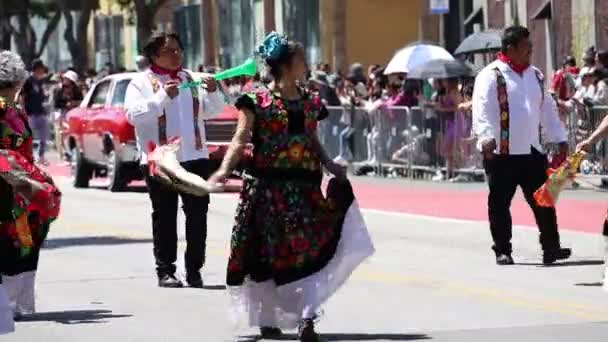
point(283, 133)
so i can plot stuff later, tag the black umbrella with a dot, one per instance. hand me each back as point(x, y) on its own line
point(441, 68)
point(480, 42)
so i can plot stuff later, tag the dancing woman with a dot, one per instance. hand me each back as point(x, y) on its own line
point(291, 247)
point(29, 201)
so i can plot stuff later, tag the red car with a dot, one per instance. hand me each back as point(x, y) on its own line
point(101, 141)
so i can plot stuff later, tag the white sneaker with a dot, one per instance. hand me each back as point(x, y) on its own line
point(340, 160)
point(459, 179)
point(438, 177)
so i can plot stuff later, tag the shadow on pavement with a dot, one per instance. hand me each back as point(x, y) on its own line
point(56, 243)
point(130, 188)
point(347, 337)
point(72, 317)
point(214, 287)
point(564, 264)
point(376, 337)
point(596, 284)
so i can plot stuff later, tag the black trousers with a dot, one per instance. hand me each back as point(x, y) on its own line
point(505, 173)
point(164, 222)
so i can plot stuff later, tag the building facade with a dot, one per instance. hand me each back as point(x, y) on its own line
point(558, 27)
point(339, 32)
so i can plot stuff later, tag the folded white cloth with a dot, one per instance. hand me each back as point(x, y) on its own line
point(7, 325)
point(20, 292)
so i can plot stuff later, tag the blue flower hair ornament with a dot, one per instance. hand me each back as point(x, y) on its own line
point(273, 46)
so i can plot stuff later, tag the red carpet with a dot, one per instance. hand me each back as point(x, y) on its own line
point(573, 214)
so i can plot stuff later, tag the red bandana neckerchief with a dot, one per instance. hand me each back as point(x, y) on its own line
point(518, 68)
point(163, 71)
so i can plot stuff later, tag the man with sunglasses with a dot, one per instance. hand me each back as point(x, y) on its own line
point(159, 111)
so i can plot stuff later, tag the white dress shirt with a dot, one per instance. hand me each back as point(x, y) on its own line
point(144, 107)
point(528, 108)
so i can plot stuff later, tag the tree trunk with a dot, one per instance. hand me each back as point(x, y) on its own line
point(5, 27)
point(209, 33)
point(26, 42)
point(50, 28)
point(340, 35)
point(146, 14)
point(269, 18)
point(78, 45)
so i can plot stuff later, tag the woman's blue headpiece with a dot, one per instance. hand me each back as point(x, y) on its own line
point(273, 46)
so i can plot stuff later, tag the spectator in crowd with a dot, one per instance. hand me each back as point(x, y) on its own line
point(447, 108)
point(356, 74)
point(350, 100)
point(465, 108)
point(588, 64)
point(326, 68)
point(326, 92)
point(90, 78)
point(142, 63)
point(65, 98)
point(107, 70)
point(584, 92)
point(586, 89)
point(563, 86)
point(371, 77)
point(601, 59)
point(589, 57)
point(600, 96)
point(432, 125)
point(33, 98)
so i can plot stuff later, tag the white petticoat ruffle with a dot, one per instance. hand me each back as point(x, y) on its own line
point(266, 305)
point(20, 290)
point(7, 325)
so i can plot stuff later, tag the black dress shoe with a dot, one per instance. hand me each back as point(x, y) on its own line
point(504, 259)
point(169, 281)
point(306, 331)
point(270, 333)
point(195, 280)
point(549, 257)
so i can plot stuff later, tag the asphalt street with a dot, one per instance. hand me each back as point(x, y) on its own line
point(431, 279)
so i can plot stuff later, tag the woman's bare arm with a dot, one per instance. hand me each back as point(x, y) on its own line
point(239, 142)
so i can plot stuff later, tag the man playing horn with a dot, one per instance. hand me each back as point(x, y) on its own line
point(159, 110)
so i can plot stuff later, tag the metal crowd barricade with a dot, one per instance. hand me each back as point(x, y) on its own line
point(392, 140)
point(329, 131)
point(595, 116)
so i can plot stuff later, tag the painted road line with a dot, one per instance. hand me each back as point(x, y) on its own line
point(367, 274)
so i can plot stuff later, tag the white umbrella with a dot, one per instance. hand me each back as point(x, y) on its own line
point(409, 57)
point(440, 68)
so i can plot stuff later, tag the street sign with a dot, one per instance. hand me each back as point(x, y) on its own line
point(440, 6)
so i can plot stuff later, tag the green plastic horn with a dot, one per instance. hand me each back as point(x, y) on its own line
point(248, 68)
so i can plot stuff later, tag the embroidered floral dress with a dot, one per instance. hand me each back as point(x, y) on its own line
point(29, 199)
point(287, 232)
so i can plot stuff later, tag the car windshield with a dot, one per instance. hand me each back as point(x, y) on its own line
point(118, 99)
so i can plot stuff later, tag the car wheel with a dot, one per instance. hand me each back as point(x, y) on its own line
point(116, 173)
point(81, 169)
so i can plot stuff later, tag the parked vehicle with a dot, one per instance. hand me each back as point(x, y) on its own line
point(101, 142)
